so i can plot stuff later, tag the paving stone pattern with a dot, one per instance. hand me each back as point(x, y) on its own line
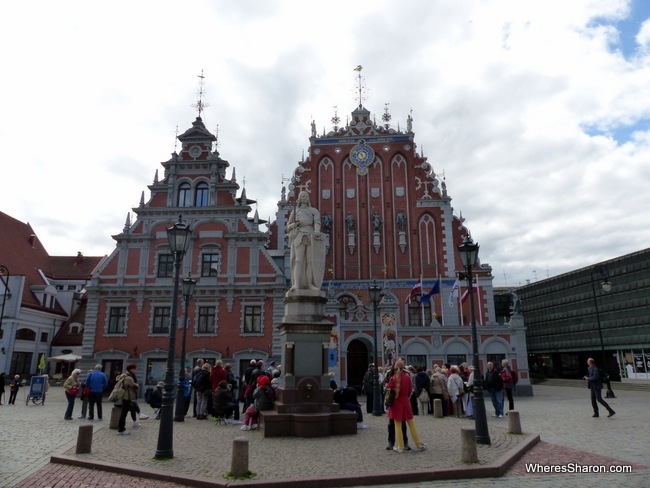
point(561, 415)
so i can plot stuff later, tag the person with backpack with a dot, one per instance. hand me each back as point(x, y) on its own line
point(508, 377)
point(129, 394)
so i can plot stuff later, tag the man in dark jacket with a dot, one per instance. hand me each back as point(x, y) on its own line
point(156, 398)
point(368, 379)
point(596, 387)
point(347, 398)
point(494, 385)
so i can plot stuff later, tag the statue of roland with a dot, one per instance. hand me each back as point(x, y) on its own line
point(307, 246)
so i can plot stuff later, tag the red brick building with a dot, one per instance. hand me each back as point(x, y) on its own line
point(389, 219)
point(238, 296)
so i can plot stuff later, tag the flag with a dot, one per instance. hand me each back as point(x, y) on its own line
point(41, 363)
point(464, 296)
point(454, 293)
point(417, 290)
point(435, 289)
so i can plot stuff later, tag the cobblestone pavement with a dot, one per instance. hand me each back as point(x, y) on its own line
point(562, 416)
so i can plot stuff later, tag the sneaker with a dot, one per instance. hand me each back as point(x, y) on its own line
point(500, 416)
point(611, 414)
point(397, 449)
point(136, 425)
point(389, 448)
point(255, 427)
point(143, 417)
point(421, 447)
point(595, 415)
point(245, 427)
point(67, 418)
point(81, 417)
point(407, 448)
point(361, 425)
point(124, 432)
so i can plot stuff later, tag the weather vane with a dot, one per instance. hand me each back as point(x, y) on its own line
point(361, 86)
point(201, 105)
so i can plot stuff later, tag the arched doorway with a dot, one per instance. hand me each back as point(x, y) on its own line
point(357, 356)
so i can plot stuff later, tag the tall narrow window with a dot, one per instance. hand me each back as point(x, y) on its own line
point(116, 320)
point(202, 191)
point(165, 266)
point(252, 319)
point(207, 320)
point(416, 311)
point(161, 319)
point(210, 264)
point(184, 195)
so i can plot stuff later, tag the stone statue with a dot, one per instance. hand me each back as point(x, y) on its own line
point(401, 220)
point(376, 221)
point(350, 221)
point(327, 222)
point(307, 246)
point(313, 128)
point(515, 306)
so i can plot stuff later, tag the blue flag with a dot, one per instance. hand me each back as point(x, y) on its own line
point(426, 298)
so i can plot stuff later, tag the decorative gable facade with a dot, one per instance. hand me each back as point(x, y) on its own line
point(239, 291)
point(388, 220)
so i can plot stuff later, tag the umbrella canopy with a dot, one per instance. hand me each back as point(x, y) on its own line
point(65, 358)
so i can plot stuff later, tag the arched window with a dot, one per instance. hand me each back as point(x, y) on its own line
point(25, 335)
point(184, 195)
point(201, 195)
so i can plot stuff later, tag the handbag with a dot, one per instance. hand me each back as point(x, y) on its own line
point(389, 397)
point(423, 396)
point(87, 391)
point(73, 391)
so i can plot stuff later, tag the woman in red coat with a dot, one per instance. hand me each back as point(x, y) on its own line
point(400, 411)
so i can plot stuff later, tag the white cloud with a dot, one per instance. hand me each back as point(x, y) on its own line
point(501, 93)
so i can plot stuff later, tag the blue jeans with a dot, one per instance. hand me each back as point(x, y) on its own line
point(68, 411)
point(497, 401)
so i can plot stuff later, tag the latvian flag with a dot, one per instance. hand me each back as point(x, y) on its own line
point(417, 290)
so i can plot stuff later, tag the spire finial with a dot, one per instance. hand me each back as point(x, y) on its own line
point(336, 120)
point(361, 87)
point(175, 138)
point(200, 105)
point(216, 135)
point(387, 116)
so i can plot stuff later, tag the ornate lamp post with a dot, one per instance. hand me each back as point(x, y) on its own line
point(188, 290)
point(179, 239)
point(4, 277)
point(469, 256)
point(375, 297)
point(603, 274)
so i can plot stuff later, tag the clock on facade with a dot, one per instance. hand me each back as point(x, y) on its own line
point(362, 156)
point(195, 151)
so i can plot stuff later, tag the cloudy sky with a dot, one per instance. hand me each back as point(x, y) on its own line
point(537, 112)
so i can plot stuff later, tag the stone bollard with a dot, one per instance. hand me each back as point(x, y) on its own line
point(514, 422)
point(115, 417)
point(468, 451)
point(437, 408)
point(239, 463)
point(84, 439)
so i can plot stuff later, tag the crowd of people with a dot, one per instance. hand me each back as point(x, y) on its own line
point(453, 385)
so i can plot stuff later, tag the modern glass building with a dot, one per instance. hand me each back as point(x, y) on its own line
point(601, 311)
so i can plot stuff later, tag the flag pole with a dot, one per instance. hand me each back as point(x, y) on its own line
point(421, 304)
point(442, 308)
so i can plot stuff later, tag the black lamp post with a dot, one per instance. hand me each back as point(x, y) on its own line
point(469, 256)
point(606, 285)
point(375, 298)
point(4, 277)
point(188, 290)
point(179, 239)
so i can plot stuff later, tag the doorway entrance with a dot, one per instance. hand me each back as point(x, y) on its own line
point(357, 363)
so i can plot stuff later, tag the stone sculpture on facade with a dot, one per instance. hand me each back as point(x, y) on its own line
point(307, 246)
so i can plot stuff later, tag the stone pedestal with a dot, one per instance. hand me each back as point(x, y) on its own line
point(304, 404)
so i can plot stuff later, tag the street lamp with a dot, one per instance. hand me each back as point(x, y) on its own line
point(469, 256)
point(188, 290)
point(375, 297)
point(606, 285)
point(179, 239)
point(4, 277)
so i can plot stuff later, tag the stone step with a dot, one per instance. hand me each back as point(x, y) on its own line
point(627, 385)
